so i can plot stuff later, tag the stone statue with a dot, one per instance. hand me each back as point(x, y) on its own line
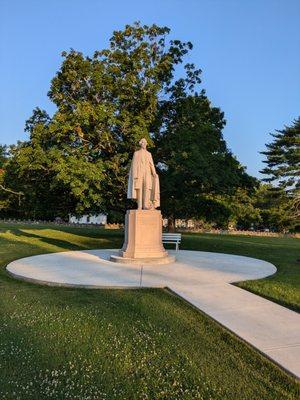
point(143, 227)
point(143, 182)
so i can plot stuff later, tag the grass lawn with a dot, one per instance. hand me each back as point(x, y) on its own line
point(58, 343)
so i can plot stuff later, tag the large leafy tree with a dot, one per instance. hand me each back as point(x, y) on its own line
point(3, 155)
point(196, 166)
point(3, 191)
point(78, 159)
point(261, 209)
point(274, 207)
point(283, 166)
point(8, 196)
point(52, 179)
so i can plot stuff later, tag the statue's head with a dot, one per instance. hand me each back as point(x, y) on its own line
point(143, 143)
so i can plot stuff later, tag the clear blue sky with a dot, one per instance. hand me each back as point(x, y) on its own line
point(249, 51)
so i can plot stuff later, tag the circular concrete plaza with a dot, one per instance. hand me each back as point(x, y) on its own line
point(92, 269)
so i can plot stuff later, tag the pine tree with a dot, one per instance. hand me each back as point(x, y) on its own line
point(283, 164)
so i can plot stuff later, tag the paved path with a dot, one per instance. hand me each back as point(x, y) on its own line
point(201, 278)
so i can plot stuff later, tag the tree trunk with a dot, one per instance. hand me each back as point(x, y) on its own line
point(171, 224)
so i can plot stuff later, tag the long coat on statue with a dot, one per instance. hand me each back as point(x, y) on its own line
point(141, 177)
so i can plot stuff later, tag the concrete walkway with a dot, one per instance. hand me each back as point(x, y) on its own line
point(201, 278)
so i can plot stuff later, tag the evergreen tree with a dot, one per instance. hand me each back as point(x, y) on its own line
point(283, 165)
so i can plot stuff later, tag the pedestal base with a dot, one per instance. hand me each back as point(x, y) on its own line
point(143, 239)
point(155, 260)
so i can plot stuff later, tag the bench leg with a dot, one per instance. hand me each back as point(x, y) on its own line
point(176, 246)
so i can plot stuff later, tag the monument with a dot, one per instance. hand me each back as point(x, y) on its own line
point(143, 227)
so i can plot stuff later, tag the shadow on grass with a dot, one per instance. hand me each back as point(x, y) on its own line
point(88, 232)
point(16, 244)
point(63, 244)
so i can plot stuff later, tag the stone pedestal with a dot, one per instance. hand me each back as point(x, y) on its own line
point(143, 239)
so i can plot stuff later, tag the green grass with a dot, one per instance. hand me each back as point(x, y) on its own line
point(58, 343)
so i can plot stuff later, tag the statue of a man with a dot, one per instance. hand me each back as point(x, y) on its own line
point(143, 182)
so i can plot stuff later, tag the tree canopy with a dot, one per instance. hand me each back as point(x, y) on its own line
point(3, 155)
point(105, 104)
point(77, 160)
point(195, 164)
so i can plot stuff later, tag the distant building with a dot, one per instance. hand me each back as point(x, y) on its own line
point(180, 223)
point(97, 219)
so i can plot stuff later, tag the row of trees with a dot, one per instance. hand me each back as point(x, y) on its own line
point(77, 160)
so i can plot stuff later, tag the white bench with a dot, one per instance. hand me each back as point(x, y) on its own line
point(172, 238)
